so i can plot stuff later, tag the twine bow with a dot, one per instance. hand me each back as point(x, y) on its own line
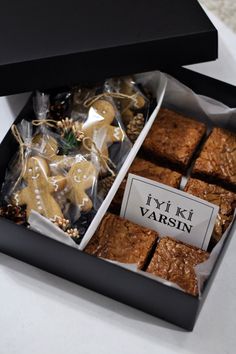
point(22, 146)
point(87, 103)
point(48, 122)
point(102, 158)
point(93, 147)
point(90, 101)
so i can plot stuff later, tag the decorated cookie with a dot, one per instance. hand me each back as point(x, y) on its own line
point(38, 195)
point(99, 126)
point(80, 178)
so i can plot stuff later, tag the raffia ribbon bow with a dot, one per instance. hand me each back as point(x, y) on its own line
point(103, 159)
point(22, 146)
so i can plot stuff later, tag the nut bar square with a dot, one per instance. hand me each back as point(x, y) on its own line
point(120, 240)
point(175, 261)
point(149, 170)
point(225, 199)
point(217, 160)
point(173, 139)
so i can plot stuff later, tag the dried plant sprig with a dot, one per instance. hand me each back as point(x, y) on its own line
point(64, 225)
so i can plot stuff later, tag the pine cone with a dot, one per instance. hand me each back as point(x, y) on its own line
point(73, 233)
point(62, 223)
point(106, 183)
point(14, 213)
point(135, 127)
point(60, 105)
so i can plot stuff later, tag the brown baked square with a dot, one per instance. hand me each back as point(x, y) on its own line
point(121, 240)
point(175, 261)
point(149, 170)
point(173, 139)
point(225, 199)
point(217, 160)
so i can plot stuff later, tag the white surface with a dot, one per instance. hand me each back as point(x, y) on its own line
point(42, 314)
point(224, 9)
point(9, 108)
point(223, 68)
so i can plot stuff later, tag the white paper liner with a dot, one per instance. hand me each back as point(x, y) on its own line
point(182, 99)
point(203, 270)
point(45, 227)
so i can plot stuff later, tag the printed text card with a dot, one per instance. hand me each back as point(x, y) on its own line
point(169, 211)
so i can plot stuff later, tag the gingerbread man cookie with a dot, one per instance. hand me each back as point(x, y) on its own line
point(38, 195)
point(99, 126)
point(80, 178)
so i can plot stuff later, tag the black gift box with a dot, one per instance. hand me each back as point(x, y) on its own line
point(47, 44)
point(104, 277)
point(52, 45)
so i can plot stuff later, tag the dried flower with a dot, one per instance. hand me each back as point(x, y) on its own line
point(62, 223)
point(65, 125)
point(73, 233)
point(77, 130)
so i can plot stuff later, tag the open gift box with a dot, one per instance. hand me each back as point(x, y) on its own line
point(189, 41)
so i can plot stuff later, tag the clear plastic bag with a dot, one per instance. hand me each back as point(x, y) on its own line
point(77, 138)
point(16, 168)
point(47, 142)
point(79, 196)
point(55, 192)
point(134, 102)
point(105, 136)
point(94, 129)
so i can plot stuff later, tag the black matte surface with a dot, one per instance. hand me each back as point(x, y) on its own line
point(205, 85)
point(46, 44)
point(120, 284)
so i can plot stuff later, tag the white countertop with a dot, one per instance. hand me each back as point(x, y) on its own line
point(41, 313)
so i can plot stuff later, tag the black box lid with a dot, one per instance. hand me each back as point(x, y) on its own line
point(45, 44)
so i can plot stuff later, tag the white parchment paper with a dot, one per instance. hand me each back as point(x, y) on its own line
point(45, 227)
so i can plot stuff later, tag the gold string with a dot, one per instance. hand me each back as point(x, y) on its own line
point(103, 158)
point(90, 101)
point(49, 122)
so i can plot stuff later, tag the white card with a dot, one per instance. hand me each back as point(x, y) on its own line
point(169, 211)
